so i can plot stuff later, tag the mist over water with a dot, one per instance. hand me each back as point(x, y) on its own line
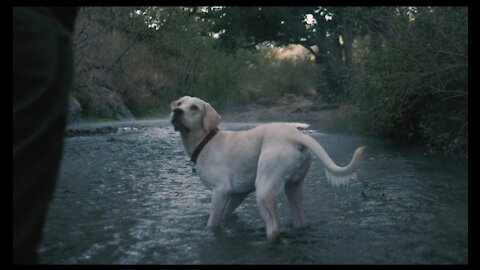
point(130, 197)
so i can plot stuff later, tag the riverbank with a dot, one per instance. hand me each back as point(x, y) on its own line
point(326, 118)
point(329, 118)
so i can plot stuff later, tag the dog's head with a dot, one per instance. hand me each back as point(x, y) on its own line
point(190, 113)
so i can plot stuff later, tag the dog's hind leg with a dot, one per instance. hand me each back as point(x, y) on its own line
point(268, 185)
point(295, 199)
point(293, 190)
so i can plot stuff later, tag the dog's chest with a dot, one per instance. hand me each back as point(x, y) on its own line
point(233, 178)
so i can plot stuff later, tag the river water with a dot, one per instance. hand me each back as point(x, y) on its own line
point(130, 197)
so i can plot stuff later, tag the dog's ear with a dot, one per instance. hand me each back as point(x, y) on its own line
point(173, 104)
point(211, 118)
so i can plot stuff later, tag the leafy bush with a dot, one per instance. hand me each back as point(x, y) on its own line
point(415, 87)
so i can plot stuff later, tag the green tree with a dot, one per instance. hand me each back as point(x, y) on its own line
point(152, 55)
point(415, 85)
point(328, 33)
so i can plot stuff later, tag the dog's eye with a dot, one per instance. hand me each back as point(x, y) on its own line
point(194, 108)
point(179, 103)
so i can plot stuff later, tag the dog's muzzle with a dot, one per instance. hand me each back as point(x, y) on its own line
point(176, 120)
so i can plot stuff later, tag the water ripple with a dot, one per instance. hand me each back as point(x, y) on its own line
point(130, 197)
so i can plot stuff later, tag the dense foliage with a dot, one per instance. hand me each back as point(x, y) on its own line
point(406, 69)
point(174, 56)
point(415, 86)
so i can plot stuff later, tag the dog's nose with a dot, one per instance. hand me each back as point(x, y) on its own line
point(177, 111)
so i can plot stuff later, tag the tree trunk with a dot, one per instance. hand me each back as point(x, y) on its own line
point(324, 59)
point(330, 76)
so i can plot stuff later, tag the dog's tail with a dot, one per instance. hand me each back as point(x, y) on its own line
point(336, 175)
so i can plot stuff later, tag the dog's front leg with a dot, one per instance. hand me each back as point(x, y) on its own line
point(219, 201)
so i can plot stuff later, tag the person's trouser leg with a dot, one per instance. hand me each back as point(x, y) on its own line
point(42, 75)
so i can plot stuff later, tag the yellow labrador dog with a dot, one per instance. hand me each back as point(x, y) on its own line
point(267, 159)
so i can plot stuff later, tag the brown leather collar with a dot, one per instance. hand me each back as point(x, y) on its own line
point(202, 144)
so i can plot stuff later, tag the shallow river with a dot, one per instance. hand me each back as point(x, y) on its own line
point(130, 197)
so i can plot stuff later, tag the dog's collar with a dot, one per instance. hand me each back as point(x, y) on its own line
point(202, 144)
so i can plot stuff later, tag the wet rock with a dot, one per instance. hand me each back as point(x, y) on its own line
point(105, 103)
point(114, 106)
